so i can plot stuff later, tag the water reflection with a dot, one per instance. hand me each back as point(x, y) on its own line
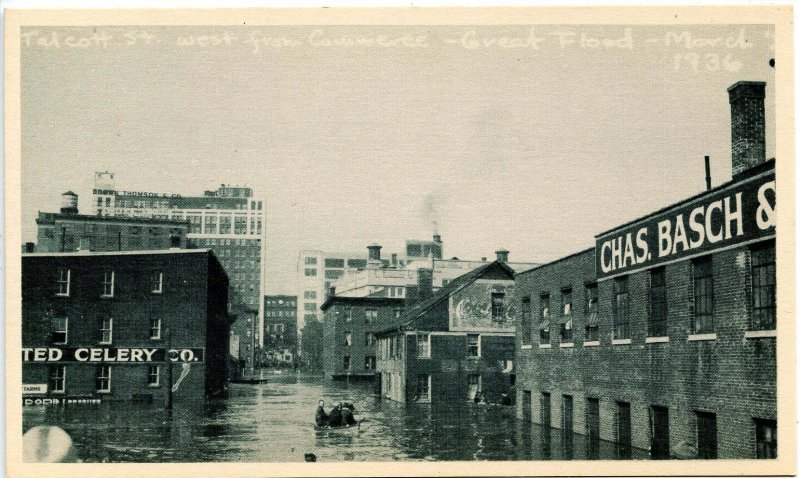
point(274, 423)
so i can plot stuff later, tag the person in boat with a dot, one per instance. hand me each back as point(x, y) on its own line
point(321, 417)
point(335, 417)
point(347, 416)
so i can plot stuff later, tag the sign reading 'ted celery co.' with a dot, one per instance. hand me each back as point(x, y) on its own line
point(111, 355)
point(740, 213)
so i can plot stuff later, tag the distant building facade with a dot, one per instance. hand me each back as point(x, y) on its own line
point(455, 344)
point(230, 221)
point(68, 231)
point(280, 331)
point(662, 337)
point(349, 345)
point(120, 326)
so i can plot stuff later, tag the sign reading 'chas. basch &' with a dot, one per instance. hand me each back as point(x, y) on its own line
point(111, 355)
point(740, 213)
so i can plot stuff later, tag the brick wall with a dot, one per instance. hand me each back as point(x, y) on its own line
point(732, 376)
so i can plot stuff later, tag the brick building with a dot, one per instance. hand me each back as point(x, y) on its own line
point(280, 331)
point(69, 231)
point(125, 325)
point(453, 344)
point(662, 337)
point(349, 349)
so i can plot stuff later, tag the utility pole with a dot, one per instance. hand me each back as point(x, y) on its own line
point(169, 369)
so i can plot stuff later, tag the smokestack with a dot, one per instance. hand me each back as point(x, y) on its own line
point(708, 173)
point(748, 147)
point(374, 252)
point(424, 283)
point(394, 259)
point(502, 255)
point(69, 203)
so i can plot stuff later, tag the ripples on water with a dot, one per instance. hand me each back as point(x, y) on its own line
point(274, 422)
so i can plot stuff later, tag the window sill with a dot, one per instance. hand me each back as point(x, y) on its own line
point(103, 392)
point(592, 343)
point(566, 345)
point(656, 340)
point(757, 334)
point(621, 342)
point(154, 385)
point(62, 295)
point(544, 346)
point(700, 337)
point(526, 347)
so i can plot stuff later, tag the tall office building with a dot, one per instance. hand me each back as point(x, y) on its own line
point(230, 221)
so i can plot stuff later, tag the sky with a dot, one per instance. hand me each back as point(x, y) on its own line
point(533, 139)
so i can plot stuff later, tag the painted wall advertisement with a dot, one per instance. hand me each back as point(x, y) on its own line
point(740, 213)
point(111, 355)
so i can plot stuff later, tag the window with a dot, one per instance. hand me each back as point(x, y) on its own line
point(473, 345)
point(103, 378)
point(544, 318)
point(309, 306)
point(590, 309)
point(334, 263)
point(194, 223)
point(311, 261)
point(240, 225)
point(659, 444)
point(333, 274)
point(763, 274)
point(57, 375)
point(348, 339)
point(157, 282)
point(706, 435)
point(310, 294)
point(423, 345)
point(544, 409)
point(657, 326)
point(423, 387)
point(225, 224)
point(498, 305)
point(357, 263)
point(346, 362)
point(155, 329)
point(623, 447)
point(348, 315)
point(108, 284)
point(473, 386)
point(703, 280)
point(371, 316)
point(766, 438)
point(106, 327)
point(311, 272)
point(527, 331)
point(369, 339)
point(369, 362)
point(153, 375)
point(63, 282)
point(210, 226)
point(566, 316)
point(621, 310)
point(59, 326)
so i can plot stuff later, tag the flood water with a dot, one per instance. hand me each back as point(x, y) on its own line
point(274, 422)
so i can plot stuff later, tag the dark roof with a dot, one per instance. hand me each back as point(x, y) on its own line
point(338, 299)
point(546, 264)
point(443, 294)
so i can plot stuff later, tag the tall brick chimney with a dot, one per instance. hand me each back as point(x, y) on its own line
point(748, 147)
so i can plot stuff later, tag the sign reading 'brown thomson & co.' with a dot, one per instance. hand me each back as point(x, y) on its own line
point(111, 355)
point(739, 213)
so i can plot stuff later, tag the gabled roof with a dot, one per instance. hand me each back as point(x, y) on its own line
point(444, 293)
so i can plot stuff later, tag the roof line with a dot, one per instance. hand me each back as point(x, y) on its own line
point(114, 253)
